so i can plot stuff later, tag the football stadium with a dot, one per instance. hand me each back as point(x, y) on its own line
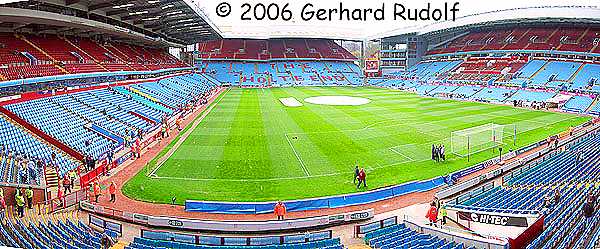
point(168, 124)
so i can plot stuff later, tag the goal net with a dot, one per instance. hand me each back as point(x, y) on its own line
point(475, 139)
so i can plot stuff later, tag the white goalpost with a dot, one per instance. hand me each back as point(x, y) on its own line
point(479, 138)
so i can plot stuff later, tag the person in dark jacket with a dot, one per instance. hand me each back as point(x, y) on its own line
point(356, 172)
point(588, 213)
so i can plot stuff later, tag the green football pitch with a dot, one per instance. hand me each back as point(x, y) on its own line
point(251, 147)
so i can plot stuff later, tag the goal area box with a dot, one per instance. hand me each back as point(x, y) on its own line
point(479, 138)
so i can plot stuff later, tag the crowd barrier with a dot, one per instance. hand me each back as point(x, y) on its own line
point(228, 226)
point(316, 203)
point(107, 225)
point(68, 200)
point(365, 228)
point(235, 241)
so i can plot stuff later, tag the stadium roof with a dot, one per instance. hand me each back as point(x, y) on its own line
point(166, 22)
point(471, 12)
point(516, 16)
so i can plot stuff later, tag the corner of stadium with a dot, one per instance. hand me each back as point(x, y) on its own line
point(155, 124)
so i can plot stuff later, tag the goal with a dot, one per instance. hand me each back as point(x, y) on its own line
point(479, 138)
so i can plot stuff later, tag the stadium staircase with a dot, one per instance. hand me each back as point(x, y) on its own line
point(83, 52)
point(594, 103)
point(540, 69)
point(570, 80)
point(551, 35)
point(518, 39)
point(121, 55)
point(51, 177)
point(144, 99)
point(110, 52)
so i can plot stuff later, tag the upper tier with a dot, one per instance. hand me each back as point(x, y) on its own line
point(290, 49)
point(576, 39)
point(28, 56)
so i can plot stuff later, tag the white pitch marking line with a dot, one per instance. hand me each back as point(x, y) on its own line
point(182, 139)
point(297, 156)
point(400, 153)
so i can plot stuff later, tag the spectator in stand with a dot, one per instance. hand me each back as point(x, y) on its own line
point(96, 191)
point(91, 163)
point(67, 184)
point(31, 170)
point(588, 212)
point(133, 151)
point(84, 162)
point(53, 162)
point(280, 210)
point(165, 132)
point(106, 241)
point(72, 175)
point(21, 173)
point(112, 189)
point(547, 202)
point(59, 196)
point(20, 201)
point(29, 195)
point(432, 214)
point(138, 147)
point(110, 156)
point(2, 193)
point(178, 123)
point(556, 196)
point(591, 198)
point(443, 213)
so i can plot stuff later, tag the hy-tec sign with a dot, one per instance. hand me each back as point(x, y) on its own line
point(491, 219)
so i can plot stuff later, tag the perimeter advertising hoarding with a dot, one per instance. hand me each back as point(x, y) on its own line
point(500, 224)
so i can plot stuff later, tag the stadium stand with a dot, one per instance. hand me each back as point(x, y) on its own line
point(578, 104)
point(554, 71)
point(586, 78)
point(53, 231)
point(573, 173)
point(17, 145)
point(290, 49)
point(28, 56)
point(256, 74)
point(493, 94)
point(524, 38)
point(98, 121)
point(484, 69)
point(400, 236)
point(531, 96)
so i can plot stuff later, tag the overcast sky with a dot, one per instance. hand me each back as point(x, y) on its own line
point(233, 26)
